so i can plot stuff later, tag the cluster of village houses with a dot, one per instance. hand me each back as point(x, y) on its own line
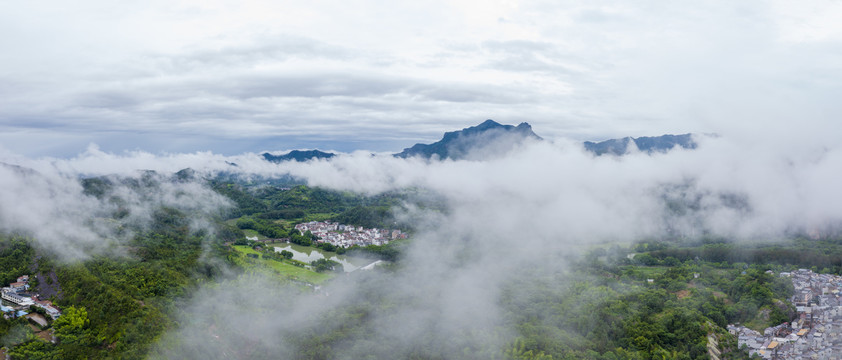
point(17, 294)
point(348, 235)
point(817, 331)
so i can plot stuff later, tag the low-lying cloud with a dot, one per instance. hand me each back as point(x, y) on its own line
point(534, 207)
point(53, 208)
point(725, 187)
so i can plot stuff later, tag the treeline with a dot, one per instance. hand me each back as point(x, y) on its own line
point(301, 202)
point(289, 203)
point(319, 200)
point(282, 214)
point(273, 230)
point(388, 252)
point(821, 256)
point(264, 227)
point(246, 203)
point(369, 217)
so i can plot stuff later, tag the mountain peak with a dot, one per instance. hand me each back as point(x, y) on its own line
point(487, 139)
point(488, 124)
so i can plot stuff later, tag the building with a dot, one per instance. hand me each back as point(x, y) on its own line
point(18, 286)
point(16, 297)
point(48, 306)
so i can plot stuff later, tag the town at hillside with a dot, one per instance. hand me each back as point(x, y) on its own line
point(345, 236)
point(816, 331)
point(19, 302)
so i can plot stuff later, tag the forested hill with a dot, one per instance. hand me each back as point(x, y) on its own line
point(270, 205)
point(646, 300)
point(662, 303)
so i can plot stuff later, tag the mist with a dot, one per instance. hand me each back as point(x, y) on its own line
point(524, 215)
point(528, 212)
point(54, 209)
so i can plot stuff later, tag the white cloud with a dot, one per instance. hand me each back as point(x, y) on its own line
point(533, 209)
point(208, 69)
point(539, 204)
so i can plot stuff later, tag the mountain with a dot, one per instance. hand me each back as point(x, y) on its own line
point(646, 144)
point(482, 141)
point(491, 139)
point(18, 169)
point(298, 155)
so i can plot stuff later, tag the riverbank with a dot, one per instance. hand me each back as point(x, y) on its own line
point(283, 268)
point(308, 254)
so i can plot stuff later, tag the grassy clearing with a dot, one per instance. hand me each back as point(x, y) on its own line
point(280, 268)
point(252, 233)
point(318, 217)
point(245, 249)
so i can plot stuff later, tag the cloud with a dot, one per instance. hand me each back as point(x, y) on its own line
point(53, 209)
point(206, 84)
point(531, 209)
point(248, 70)
point(779, 185)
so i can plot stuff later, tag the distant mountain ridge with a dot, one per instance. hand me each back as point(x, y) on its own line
point(298, 155)
point(489, 138)
point(646, 144)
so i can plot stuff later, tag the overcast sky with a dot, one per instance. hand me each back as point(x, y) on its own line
point(242, 76)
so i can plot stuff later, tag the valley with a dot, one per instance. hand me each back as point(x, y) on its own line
point(416, 180)
point(188, 263)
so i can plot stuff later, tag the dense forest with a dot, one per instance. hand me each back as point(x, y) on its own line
point(664, 302)
point(302, 203)
point(111, 306)
point(605, 310)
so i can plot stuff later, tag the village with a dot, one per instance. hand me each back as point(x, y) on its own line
point(18, 302)
point(347, 235)
point(816, 333)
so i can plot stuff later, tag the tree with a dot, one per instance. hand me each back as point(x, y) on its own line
point(646, 259)
point(322, 265)
point(33, 350)
point(671, 261)
point(72, 329)
point(71, 325)
point(286, 254)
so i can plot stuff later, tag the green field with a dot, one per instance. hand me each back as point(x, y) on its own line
point(281, 268)
point(252, 233)
point(317, 217)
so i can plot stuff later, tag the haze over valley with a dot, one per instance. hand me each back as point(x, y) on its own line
point(453, 180)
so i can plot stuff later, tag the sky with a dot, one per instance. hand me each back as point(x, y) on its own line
point(232, 77)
